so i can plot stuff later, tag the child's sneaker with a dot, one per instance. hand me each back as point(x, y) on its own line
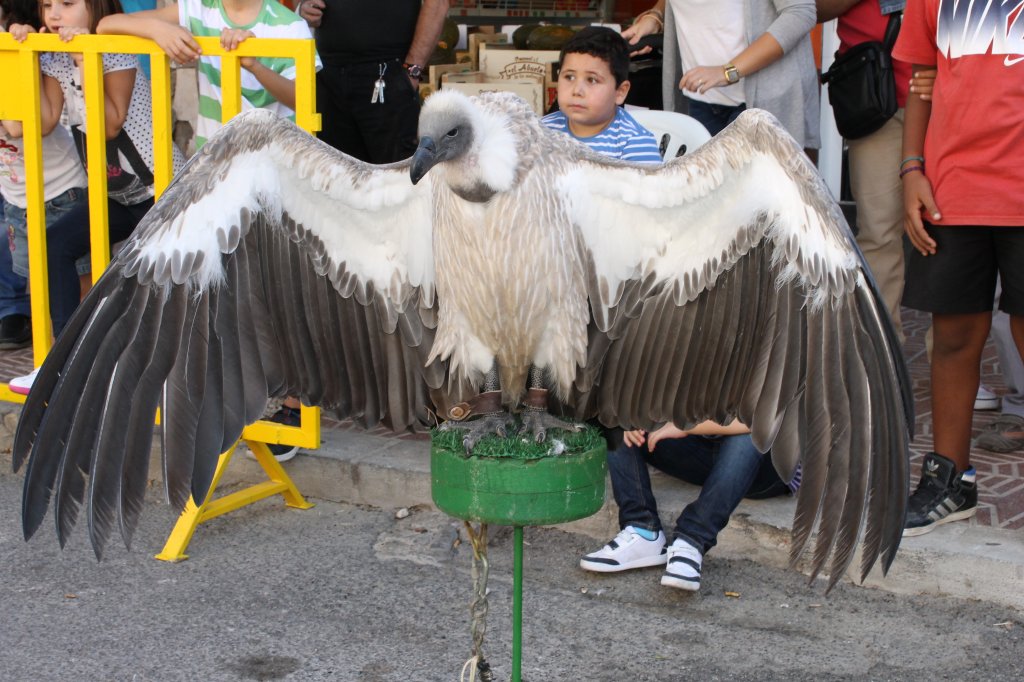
point(942, 496)
point(986, 400)
point(22, 385)
point(628, 550)
point(683, 569)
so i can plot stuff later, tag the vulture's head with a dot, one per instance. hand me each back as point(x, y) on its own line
point(471, 139)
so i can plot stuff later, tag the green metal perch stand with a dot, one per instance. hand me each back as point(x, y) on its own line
point(507, 482)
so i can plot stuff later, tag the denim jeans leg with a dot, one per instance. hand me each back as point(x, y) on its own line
point(631, 486)
point(731, 462)
point(13, 288)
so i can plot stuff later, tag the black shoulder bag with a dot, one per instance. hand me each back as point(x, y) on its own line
point(861, 84)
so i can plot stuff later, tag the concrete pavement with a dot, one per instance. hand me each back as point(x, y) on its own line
point(961, 559)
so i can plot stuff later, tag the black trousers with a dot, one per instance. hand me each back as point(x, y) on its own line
point(374, 132)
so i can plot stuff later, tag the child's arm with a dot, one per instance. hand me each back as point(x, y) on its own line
point(279, 87)
point(51, 104)
point(917, 190)
point(117, 95)
point(12, 128)
point(670, 431)
point(19, 32)
point(160, 26)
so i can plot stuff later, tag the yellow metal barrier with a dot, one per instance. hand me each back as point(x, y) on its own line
point(20, 79)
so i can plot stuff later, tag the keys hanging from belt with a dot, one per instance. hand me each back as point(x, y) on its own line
point(378, 86)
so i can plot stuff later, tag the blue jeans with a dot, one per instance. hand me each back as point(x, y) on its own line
point(55, 209)
point(714, 117)
point(728, 468)
point(13, 289)
point(14, 299)
point(67, 240)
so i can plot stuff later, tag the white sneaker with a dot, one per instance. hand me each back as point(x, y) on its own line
point(985, 400)
point(683, 569)
point(628, 550)
point(22, 385)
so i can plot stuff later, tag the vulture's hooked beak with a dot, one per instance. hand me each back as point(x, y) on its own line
point(424, 159)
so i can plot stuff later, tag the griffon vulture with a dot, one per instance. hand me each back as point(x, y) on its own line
point(723, 284)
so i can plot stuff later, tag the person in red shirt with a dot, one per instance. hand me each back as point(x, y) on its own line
point(964, 204)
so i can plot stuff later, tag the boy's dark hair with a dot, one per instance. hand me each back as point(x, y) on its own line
point(22, 12)
point(603, 43)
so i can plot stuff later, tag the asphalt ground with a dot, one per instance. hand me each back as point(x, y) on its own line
point(352, 593)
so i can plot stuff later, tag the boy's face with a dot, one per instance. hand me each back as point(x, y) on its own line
point(59, 14)
point(587, 93)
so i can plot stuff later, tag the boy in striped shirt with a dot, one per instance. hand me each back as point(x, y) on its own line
point(267, 82)
point(592, 84)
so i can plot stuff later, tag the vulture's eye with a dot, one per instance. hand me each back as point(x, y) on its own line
point(452, 133)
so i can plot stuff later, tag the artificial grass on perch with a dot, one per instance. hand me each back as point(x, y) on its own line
point(518, 482)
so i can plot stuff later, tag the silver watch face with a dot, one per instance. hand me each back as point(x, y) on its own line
point(415, 71)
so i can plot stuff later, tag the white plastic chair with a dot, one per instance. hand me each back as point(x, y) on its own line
point(677, 134)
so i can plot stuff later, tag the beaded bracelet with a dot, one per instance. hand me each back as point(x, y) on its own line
point(907, 160)
point(911, 169)
point(658, 17)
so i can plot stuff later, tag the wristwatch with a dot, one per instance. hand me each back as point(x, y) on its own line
point(414, 71)
point(732, 75)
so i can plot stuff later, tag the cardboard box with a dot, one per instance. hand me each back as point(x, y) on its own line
point(463, 77)
point(477, 40)
point(438, 72)
point(531, 91)
point(511, 64)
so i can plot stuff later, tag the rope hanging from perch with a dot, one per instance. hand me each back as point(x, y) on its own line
point(478, 606)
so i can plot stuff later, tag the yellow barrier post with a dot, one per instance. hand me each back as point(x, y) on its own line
point(19, 73)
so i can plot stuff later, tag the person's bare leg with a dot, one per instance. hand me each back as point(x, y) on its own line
point(956, 372)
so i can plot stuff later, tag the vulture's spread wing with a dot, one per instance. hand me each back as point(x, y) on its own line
point(273, 265)
point(727, 284)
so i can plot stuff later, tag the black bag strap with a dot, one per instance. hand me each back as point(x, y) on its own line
point(892, 31)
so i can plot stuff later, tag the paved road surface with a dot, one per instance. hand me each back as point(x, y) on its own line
point(353, 594)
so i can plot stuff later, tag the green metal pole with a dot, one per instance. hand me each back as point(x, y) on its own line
point(517, 607)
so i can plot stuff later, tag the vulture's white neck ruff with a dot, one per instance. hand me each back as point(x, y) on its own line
point(493, 158)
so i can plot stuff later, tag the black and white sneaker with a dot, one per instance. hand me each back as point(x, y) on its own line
point(683, 569)
point(626, 551)
point(942, 496)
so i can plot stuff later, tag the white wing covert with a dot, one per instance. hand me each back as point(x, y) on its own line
point(726, 284)
point(273, 265)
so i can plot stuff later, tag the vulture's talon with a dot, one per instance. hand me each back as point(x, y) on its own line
point(476, 429)
point(539, 422)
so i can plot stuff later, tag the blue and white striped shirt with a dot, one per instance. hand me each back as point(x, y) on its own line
point(623, 138)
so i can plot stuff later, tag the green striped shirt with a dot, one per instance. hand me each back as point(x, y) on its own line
point(207, 18)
